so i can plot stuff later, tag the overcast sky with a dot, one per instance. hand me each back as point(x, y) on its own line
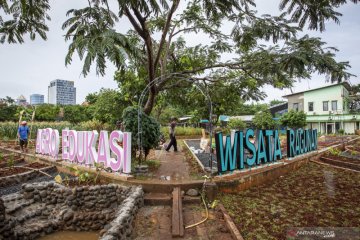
point(28, 68)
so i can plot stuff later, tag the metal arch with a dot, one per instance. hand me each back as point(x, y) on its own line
point(163, 78)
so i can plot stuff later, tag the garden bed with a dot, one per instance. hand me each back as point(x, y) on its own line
point(9, 171)
point(6, 161)
point(344, 162)
point(343, 159)
point(355, 147)
point(313, 195)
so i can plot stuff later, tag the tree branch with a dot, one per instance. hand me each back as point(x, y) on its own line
point(219, 65)
point(133, 22)
point(166, 29)
point(139, 17)
point(183, 30)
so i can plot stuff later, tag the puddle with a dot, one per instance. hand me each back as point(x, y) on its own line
point(71, 235)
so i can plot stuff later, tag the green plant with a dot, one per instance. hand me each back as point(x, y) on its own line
point(83, 176)
point(1, 157)
point(11, 162)
point(264, 120)
point(293, 119)
point(236, 124)
point(334, 152)
point(98, 168)
point(66, 180)
point(341, 131)
point(150, 129)
point(153, 164)
point(354, 153)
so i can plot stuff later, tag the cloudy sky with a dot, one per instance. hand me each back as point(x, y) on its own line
point(28, 68)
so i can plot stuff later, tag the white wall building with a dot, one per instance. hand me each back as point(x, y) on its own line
point(326, 108)
point(62, 92)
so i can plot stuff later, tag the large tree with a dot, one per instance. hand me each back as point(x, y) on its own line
point(154, 46)
point(353, 101)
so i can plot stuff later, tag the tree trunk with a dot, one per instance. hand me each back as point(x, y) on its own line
point(149, 103)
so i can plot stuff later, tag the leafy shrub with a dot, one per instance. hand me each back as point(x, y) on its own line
point(11, 161)
point(94, 125)
point(341, 131)
point(150, 129)
point(334, 152)
point(293, 119)
point(264, 120)
point(236, 124)
point(153, 164)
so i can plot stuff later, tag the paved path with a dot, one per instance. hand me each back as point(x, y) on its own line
point(173, 166)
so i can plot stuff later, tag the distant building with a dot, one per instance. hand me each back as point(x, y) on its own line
point(21, 101)
point(247, 119)
point(36, 99)
point(326, 108)
point(278, 110)
point(62, 92)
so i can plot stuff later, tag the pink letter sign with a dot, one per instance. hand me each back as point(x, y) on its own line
point(80, 147)
point(47, 142)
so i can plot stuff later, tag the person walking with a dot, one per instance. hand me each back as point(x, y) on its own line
point(172, 135)
point(23, 133)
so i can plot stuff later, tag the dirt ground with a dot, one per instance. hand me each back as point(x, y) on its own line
point(154, 223)
point(312, 196)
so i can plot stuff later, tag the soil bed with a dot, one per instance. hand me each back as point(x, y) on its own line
point(17, 187)
point(4, 172)
point(17, 162)
point(76, 183)
point(311, 196)
point(355, 147)
point(344, 159)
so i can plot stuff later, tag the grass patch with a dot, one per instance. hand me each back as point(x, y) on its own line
point(153, 164)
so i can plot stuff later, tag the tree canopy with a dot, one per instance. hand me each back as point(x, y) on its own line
point(293, 119)
point(264, 120)
point(353, 100)
point(154, 48)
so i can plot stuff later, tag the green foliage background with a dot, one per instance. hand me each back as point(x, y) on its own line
point(293, 119)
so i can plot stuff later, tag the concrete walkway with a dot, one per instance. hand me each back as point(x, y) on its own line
point(174, 167)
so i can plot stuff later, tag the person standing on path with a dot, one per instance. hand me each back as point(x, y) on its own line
point(23, 133)
point(172, 135)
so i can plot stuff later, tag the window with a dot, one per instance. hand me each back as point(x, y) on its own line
point(296, 106)
point(334, 105)
point(326, 106)
point(311, 106)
